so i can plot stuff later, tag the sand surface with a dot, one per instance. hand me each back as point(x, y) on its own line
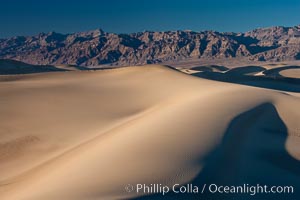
point(84, 135)
point(292, 73)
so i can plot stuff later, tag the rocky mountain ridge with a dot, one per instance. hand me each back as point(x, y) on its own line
point(98, 47)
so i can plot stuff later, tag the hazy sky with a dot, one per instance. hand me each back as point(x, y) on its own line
point(29, 17)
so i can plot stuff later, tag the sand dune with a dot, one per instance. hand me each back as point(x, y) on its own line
point(85, 135)
point(276, 77)
point(17, 67)
point(292, 73)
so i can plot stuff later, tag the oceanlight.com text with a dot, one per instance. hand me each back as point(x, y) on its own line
point(211, 188)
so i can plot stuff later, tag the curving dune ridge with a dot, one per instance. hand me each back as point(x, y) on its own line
point(85, 135)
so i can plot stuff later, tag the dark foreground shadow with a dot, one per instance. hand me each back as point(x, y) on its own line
point(252, 152)
point(244, 75)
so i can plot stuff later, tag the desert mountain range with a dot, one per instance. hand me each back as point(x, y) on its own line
point(97, 47)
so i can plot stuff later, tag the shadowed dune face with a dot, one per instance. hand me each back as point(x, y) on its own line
point(252, 151)
point(8, 67)
point(286, 71)
point(248, 70)
point(278, 78)
point(210, 68)
point(86, 135)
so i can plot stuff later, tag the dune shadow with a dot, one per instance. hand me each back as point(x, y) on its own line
point(251, 152)
point(245, 76)
point(247, 70)
point(276, 71)
point(28, 70)
point(210, 68)
point(11, 67)
point(202, 68)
